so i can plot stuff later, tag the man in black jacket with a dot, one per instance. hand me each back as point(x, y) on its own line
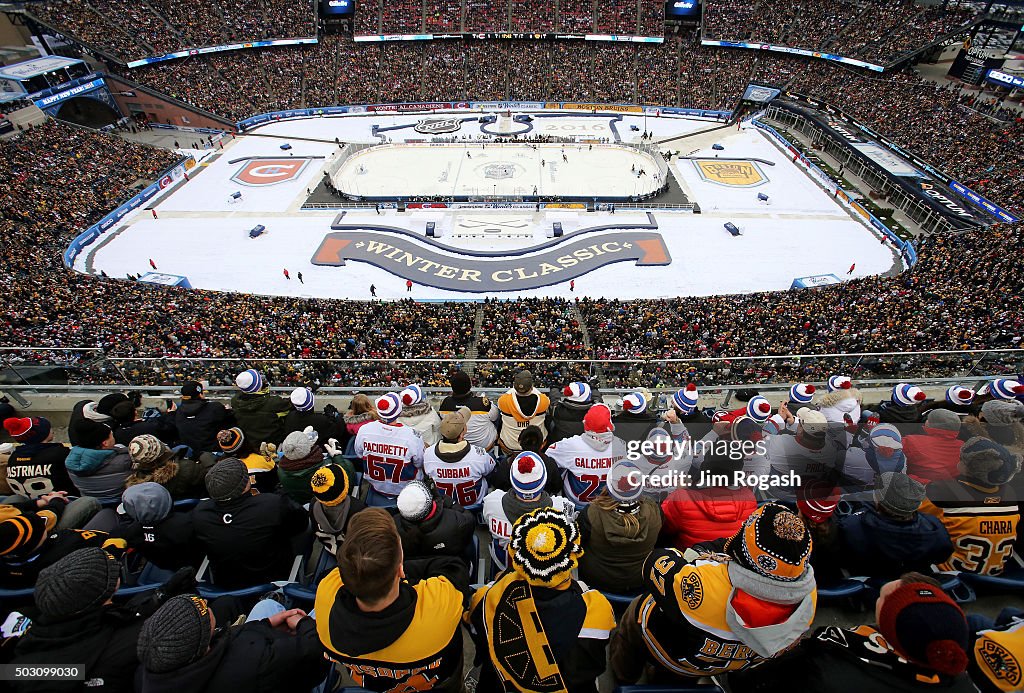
point(247, 535)
point(430, 524)
point(199, 420)
point(636, 419)
point(77, 623)
point(182, 648)
point(302, 414)
point(566, 419)
point(146, 519)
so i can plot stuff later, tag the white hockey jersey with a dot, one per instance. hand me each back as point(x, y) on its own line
point(461, 480)
point(584, 469)
point(500, 525)
point(392, 456)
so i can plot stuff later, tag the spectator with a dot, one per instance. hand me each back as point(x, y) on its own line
point(706, 511)
point(935, 452)
point(198, 420)
point(152, 460)
point(567, 413)
point(532, 440)
point(892, 537)
point(563, 626)
point(36, 466)
point(302, 415)
point(904, 406)
point(301, 456)
point(361, 411)
point(986, 469)
point(430, 524)
point(147, 521)
point(1003, 422)
point(184, 644)
point(618, 530)
point(127, 424)
point(529, 480)
point(419, 415)
point(260, 462)
point(333, 505)
point(246, 536)
point(392, 453)
point(521, 406)
point(663, 462)
point(260, 414)
point(97, 466)
point(585, 460)
point(423, 623)
point(636, 419)
point(480, 430)
point(457, 468)
point(920, 642)
point(776, 607)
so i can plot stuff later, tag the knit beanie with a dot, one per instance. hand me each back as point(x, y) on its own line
point(28, 430)
point(817, 501)
point(625, 483)
point(302, 399)
point(416, 502)
point(230, 441)
point(598, 419)
point(412, 394)
point(1005, 388)
point(147, 451)
point(634, 403)
point(839, 382)
point(79, 582)
point(176, 635)
point(227, 479)
point(298, 444)
point(907, 395)
point(801, 393)
point(959, 395)
point(685, 399)
point(250, 381)
point(886, 436)
point(942, 420)
point(90, 434)
point(330, 485)
point(105, 407)
point(899, 494)
point(759, 409)
point(461, 383)
point(577, 392)
point(22, 533)
point(925, 626)
point(659, 446)
point(389, 407)
point(773, 542)
point(544, 547)
point(987, 461)
point(528, 475)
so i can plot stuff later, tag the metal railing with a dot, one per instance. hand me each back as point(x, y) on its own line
point(56, 369)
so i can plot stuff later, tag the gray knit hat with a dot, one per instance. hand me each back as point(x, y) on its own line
point(943, 420)
point(1001, 417)
point(176, 635)
point(79, 582)
point(298, 444)
point(227, 480)
point(987, 461)
point(898, 493)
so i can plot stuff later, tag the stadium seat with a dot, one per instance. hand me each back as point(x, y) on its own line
point(1010, 582)
point(619, 601)
point(148, 579)
point(186, 503)
point(24, 594)
point(844, 589)
point(306, 591)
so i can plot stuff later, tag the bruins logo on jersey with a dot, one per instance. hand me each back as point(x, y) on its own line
point(692, 591)
point(1000, 663)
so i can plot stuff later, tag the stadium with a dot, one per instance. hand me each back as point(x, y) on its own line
point(407, 345)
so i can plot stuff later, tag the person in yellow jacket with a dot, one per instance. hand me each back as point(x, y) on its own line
point(715, 613)
point(536, 629)
point(392, 636)
point(520, 407)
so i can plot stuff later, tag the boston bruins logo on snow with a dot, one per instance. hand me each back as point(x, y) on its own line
point(438, 126)
point(735, 174)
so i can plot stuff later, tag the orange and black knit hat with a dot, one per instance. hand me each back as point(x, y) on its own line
point(772, 542)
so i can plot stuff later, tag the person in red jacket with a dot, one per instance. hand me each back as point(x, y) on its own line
point(696, 514)
point(934, 454)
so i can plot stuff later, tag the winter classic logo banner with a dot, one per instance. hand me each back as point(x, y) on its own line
point(735, 174)
point(260, 172)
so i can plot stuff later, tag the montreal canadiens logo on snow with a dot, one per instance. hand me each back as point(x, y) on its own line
point(269, 171)
point(438, 126)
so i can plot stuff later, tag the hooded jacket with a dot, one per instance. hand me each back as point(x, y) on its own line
point(35, 469)
point(413, 644)
point(325, 426)
point(198, 422)
point(566, 419)
point(630, 426)
point(448, 532)
point(183, 478)
point(613, 560)
point(294, 475)
point(261, 417)
point(697, 627)
point(840, 660)
point(514, 419)
point(248, 539)
point(841, 406)
point(879, 546)
point(932, 455)
point(252, 657)
point(331, 522)
point(695, 515)
point(104, 640)
point(99, 473)
point(422, 418)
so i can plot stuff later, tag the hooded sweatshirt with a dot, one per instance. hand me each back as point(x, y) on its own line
point(330, 522)
point(415, 643)
point(613, 559)
point(879, 546)
point(294, 475)
point(99, 473)
point(718, 616)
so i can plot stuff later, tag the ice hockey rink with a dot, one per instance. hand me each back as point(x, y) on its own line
point(202, 232)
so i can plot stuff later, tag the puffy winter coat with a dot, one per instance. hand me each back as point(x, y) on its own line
point(99, 473)
point(932, 455)
point(695, 515)
point(261, 417)
point(199, 421)
point(879, 546)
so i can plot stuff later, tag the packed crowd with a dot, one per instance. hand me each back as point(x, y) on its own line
point(878, 32)
point(130, 30)
point(623, 539)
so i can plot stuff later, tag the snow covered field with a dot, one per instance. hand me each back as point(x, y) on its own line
point(202, 235)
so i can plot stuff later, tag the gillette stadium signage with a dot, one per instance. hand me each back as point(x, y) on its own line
point(793, 51)
point(1004, 80)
